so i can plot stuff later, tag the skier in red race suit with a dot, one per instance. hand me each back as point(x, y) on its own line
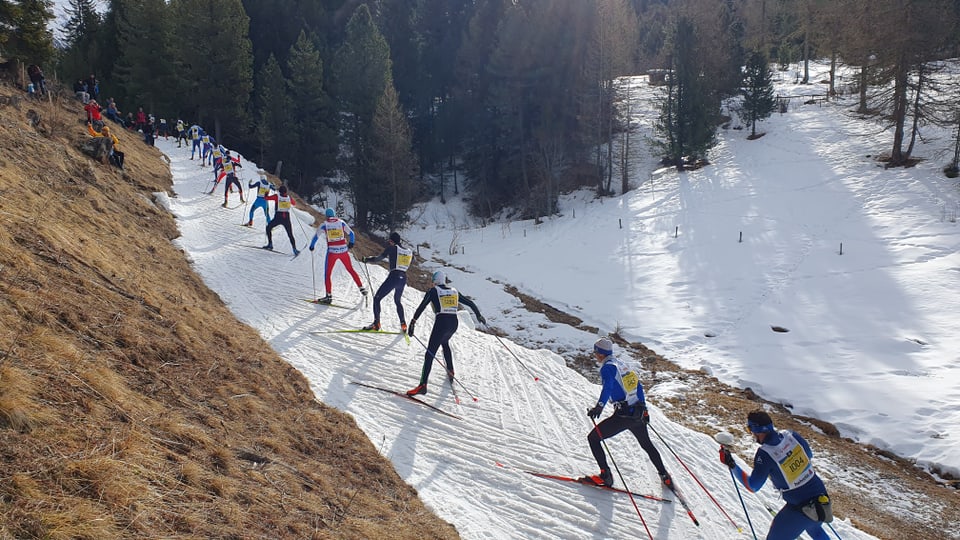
point(339, 237)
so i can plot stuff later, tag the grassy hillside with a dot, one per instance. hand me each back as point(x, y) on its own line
point(133, 404)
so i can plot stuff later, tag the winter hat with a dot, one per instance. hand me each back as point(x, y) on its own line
point(603, 346)
point(283, 190)
point(439, 278)
point(760, 422)
point(395, 237)
point(330, 213)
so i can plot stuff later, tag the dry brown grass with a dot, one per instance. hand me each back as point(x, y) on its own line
point(132, 403)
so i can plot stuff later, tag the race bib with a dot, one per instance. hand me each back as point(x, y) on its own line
point(794, 464)
point(404, 258)
point(335, 234)
point(630, 381)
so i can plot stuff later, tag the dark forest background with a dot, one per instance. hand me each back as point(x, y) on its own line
point(514, 100)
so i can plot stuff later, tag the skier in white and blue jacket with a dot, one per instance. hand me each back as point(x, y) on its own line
point(621, 386)
point(785, 458)
point(263, 187)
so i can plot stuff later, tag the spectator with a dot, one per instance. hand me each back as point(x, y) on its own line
point(37, 78)
point(116, 156)
point(149, 132)
point(93, 114)
point(130, 123)
point(112, 112)
point(93, 87)
point(31, 91)
point(80, 90)
point(141, 119)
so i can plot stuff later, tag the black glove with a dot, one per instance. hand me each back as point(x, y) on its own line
point(482, 320)
point(311, 248)
point(368, 259)
point(595, 412)
point(727, 458)
point(350, 245)
point(410, 327)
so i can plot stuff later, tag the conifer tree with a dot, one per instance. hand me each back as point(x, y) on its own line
point(81, 40)
point(313, 134)
point(392, 164)
point(215, 64)
point(757, 91)
point(361, 73)
point(31, 40)
point(8, 16)
point(144, 67)
point(274, 120)
point(689, 110)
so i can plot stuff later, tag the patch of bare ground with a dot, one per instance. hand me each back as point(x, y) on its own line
point(133, 404)
point(934, 508)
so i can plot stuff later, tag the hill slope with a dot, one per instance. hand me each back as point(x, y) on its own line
point(133, 404)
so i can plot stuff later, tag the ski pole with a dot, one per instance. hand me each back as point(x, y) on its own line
point(699, 483)
point(624, 482)
point(517, 357)
point(449, 373)
point(243, 218)
point(725, 439)
point(366, 297)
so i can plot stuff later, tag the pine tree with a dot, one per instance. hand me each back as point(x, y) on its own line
point(144, 68)
point(689, 110)
point(392, 163)
point(757, 91)
point(8, 16)
point(215, 64)
point(274, 129)
point(361, 73)
point(81, 40)
point(313, 125)
point(31, 40)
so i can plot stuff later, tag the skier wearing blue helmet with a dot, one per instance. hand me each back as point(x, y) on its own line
point(785, 458)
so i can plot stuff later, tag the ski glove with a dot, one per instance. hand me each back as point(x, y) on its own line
point(350, 245)
point(311, 248)
point(482, 320)
point(645, 416)
point(410, 327)
point(727, 458)
point(595, 412)
point(366, 259)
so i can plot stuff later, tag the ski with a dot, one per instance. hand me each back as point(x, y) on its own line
point(261, 248)
point(591, 484)
point(683, 502)
point(352, 331)
point(316, 303)
point(411, 398)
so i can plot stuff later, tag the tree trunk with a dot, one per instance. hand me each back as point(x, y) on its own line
point(915, 128)
point(899, 114)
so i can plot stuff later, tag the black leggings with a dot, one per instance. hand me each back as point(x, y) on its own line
point(616, 424)
point(444, 327)
point(281, 218)
point(396, 281)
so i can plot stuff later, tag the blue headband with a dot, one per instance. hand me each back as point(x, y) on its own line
point(760, 428)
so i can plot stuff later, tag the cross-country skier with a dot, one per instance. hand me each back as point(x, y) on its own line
point(400, 258)
point(784, 457)
point(339, 237)
point(445, 302)
point(263, 187)
point(621, 386)
point(281, 217)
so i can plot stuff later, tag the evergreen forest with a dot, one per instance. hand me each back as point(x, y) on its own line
point(512, 100)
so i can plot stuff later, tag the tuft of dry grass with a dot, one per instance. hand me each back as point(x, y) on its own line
point(125, 410)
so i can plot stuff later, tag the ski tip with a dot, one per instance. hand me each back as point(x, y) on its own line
point(724, 438)
point(475, 399)
point(536, 378)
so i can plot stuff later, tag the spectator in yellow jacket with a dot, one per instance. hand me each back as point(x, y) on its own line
point(116, 156)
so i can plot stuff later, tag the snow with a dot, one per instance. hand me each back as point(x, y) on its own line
point(871, 345)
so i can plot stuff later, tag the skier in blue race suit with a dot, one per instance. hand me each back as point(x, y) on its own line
point(263, 187)
point(784, 457)
point(445, 302)
point(621, 386)
point(400, 258)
